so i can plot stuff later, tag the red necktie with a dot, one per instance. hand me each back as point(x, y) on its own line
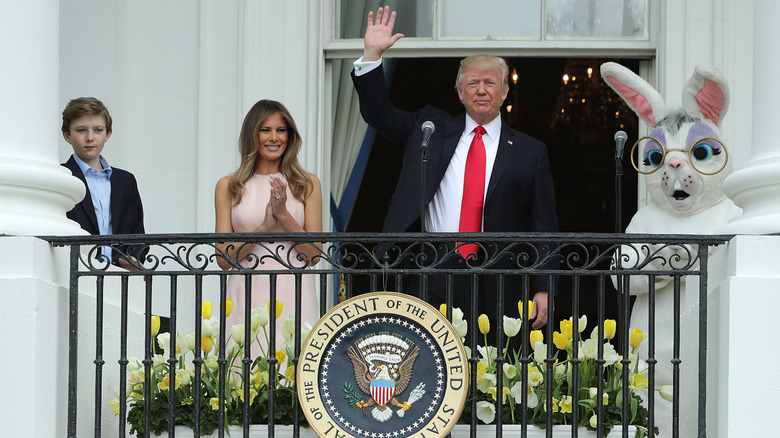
point(473, 191)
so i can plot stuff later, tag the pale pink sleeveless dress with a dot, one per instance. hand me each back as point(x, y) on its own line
point(246, 217)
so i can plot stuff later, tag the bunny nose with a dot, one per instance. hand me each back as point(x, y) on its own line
point(675, 163)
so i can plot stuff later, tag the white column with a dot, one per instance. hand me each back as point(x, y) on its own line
point(745, 322)
point(34, 353)
point(35, 191)
point(756, 186)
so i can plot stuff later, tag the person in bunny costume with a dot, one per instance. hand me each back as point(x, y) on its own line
point(684, 163)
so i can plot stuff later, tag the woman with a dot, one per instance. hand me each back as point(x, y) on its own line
point(269, 192)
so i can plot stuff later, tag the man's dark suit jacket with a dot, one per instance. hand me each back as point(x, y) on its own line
point(127, 213)
point(520, 195)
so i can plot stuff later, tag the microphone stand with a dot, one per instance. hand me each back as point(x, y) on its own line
point(623, 303)
point(618, 193)
point(424, 164)
point(423, 216)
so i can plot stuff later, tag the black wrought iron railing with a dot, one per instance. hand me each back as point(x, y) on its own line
point(585, 273)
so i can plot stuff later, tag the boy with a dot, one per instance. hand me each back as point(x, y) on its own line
point(112, 204)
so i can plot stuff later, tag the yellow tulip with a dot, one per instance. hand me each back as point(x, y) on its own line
point(114, 405)
point(520, 306)
point(279, 306)
point(260, 378)
point(492, 391)
point(561, 341)
point(566, 404)
point(252, 395)
point(206, 309)
point(610, 326)
point(155, 325)
point(481, 370)
point(228, 306)
point(443, 309)
point(536, 336)
point(635, 338)
point(637, 382)
point(289, 374)
point(484, 324)
point(214, 402)
point(280, 356)
point(206, 344)
point(165, 382)
point(566, 328)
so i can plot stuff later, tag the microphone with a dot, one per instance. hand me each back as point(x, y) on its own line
point(620, 142)
point(427, 129)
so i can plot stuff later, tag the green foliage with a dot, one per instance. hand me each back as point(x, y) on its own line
point(184, 413)
point(351, 395)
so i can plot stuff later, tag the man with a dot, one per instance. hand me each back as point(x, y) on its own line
point(515, 184)
point(112, 204)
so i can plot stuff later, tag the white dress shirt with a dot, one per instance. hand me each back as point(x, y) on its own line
point(444, 208)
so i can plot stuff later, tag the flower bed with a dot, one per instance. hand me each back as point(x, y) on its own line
point(555, 376)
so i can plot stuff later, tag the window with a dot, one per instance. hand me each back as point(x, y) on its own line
point(597, 18)
point(503, 19)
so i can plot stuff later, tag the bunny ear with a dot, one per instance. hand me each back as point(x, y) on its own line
point(640, 96)
point(706, 95)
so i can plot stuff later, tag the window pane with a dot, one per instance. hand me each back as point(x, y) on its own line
point(491, 18)
point(601, 18)
point(414, 18)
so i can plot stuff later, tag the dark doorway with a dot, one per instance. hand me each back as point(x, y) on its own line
point(556, 100)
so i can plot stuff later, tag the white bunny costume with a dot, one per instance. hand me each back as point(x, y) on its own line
point(684, 164)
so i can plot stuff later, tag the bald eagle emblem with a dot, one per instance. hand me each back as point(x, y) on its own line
point(382, 364)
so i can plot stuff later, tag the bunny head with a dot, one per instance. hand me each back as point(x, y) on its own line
point(683, 158)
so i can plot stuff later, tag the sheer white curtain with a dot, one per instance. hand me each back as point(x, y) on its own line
point(348, 131)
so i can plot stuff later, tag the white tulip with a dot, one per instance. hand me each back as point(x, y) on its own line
point(667, 393)
point(164, 341)
point(209, 327)
point(238, 334)
point(486, 412)
point(512, 326)
point(289, 326)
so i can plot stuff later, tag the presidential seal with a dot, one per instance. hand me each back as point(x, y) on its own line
point(382, 365)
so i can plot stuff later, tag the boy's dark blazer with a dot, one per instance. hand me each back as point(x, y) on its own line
point(127, 213)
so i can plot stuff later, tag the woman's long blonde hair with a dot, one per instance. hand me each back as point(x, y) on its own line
point(248, 144)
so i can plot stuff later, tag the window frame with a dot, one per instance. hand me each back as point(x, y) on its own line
point(558, 46)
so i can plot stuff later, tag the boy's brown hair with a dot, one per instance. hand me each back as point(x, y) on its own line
point(84, 106)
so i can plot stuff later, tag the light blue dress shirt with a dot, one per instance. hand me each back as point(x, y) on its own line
point(99, 184)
